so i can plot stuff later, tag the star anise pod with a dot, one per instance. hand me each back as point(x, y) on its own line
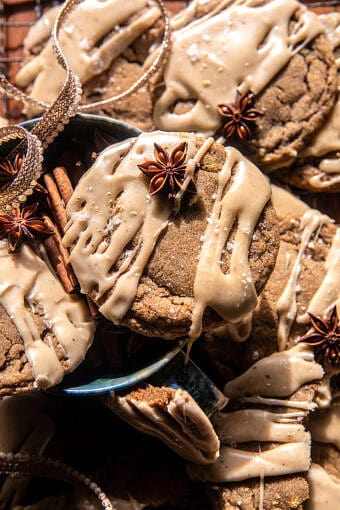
point(20, 225)
point(237, 116)
point(167, 172)
point(9, 170)
point(326, 338)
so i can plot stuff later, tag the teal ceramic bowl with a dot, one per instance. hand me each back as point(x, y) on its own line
point(158, 354)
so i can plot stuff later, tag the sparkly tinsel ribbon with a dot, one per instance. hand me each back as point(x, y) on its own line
point(59, 113)
point(33, 465)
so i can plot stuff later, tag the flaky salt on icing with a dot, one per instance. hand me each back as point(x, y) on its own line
point(111, 205)
point(324, 489)
point(240, 47)
point(26, 283)
point(84, 28)
point(327, 139)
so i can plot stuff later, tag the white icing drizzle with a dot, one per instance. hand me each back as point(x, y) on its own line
point(325, 426)
point(27, 283)
point(286, 308)
point(277, 375)
point(84, 28)
point(324, 489)
point(259, 425)
point(328, 294)
point(231, 295)
point(234, 465)
point(244, 46)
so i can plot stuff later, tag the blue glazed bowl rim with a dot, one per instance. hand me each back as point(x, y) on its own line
point(105, 384)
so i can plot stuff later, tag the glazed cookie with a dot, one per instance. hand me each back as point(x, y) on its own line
point(45, 332)
point(275, 49)
point(106, 44)
point(172, 267)
point(318, 166)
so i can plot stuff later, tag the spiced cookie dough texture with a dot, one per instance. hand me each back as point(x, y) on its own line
point(171, 268)
point(97, 39)
point(274, 48)
point(45, 332)
point(318, 165)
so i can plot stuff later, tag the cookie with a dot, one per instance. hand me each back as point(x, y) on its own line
point(106, 45)
point(172, 267)
point(318, 165)
point(275, 49)
point(45, 331)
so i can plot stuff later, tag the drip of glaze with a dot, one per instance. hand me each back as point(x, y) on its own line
point(232, 295)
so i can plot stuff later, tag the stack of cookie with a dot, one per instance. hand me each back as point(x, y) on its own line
point(179, 234)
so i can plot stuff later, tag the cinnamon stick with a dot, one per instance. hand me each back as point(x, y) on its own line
point(55, 201)
point(57, 263)
point(61, 251)
point(92, 307)
point(63, 182)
